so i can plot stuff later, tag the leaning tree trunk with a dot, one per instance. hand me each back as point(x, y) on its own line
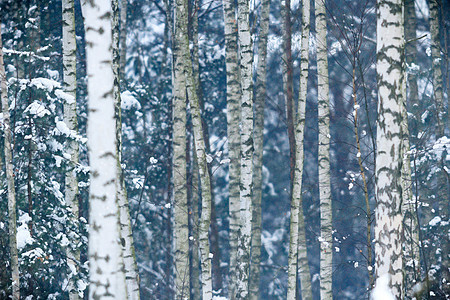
point(129, 256)
point(234, 144)
point(246, 182)
point(388, 168)
point(12, 227)
point(411, 242)
point(182, 39)
point(107, 277)
point(70, 118)
point(182, 278)
point(326, 239)
point(260, 99)
point(298, 260)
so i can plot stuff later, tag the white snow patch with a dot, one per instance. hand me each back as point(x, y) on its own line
point(382, 290)
point(62, 127)
point(23, 234)
point(69, 99)
point(129, 101)
point(435, 221)
point(37, 109)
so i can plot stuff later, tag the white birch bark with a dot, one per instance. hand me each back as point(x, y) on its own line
point(246, 181)
point(326, 239)
point(194, 262)
point(205, 219)
point(182, 279)
point(234, 143)
point(70, 118)
point(297, 259)
point(12, 219)
point(107, 278)
point(260, 99)
point(388, 213)
point(127, 242)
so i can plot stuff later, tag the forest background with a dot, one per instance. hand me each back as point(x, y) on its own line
point(51, 235)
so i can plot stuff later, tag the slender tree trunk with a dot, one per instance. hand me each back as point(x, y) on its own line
point(214, 232)
point(246, 182)
point(12, 220)
point(411, 242)
point(193, 235)
point(70, 118)
point(129, 256)
point(107, 276)
point(123, 37)
point(326, 239)
point(234, 144)
point(260, 99)
point(182, 280)
point(288, 84)
point(183, 39)
point(179, 181)
point(298, 260)
point(388, 169)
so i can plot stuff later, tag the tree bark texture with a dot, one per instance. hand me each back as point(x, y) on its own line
point(246, 182)
point(234, 144)
point(70, 118)
point(411, 241)
point(258, 134)
point(297, 259)
point(388, 168)
point(129, 257)
point(326, 239)
point(12, 219)
point(107, 277)
point(288, 84)
point(182, 280)
point(182, 38)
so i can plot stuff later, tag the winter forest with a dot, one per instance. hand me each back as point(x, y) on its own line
point(224, 149)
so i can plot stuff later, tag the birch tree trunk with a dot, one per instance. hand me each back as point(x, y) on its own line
point(246, 181)
point(12, 219)
point(193, 219)
point(297, 259)
point(288, 84)
point(388, 168)
point(182, 39)
point(70, 118)
point(411, 242)
point(234, 143)
point(260, 99)
point(179, 174)
point(129, 256)
point(326, 239)
point(107, 277)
